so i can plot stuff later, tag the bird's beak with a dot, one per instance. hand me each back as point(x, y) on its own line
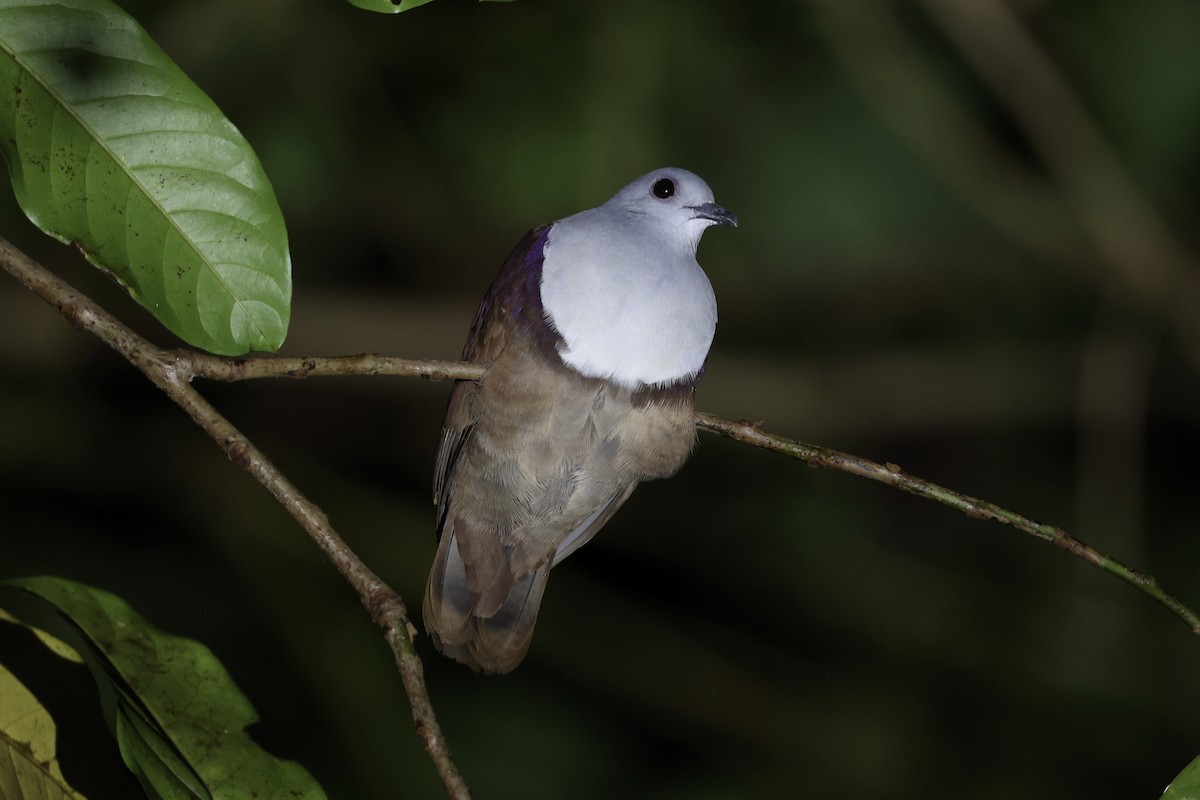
point(716, 213)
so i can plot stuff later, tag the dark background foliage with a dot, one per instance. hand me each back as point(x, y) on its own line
point(751, 628)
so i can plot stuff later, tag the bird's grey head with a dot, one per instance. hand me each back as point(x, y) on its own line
point(621, 286)
point(679, 200)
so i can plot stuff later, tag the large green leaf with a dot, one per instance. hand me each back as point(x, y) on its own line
point(111, 147)
point(1186, 785)
point(178, 718)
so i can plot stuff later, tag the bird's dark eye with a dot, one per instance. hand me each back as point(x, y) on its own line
point(663, 188)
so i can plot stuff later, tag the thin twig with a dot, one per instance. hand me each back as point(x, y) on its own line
point(172, 372)
point(816, 456)
point(218, 368)
point(230, 369)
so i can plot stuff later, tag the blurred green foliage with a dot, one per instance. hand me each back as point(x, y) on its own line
point(749, 628)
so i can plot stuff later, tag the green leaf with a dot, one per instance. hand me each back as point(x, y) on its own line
point(29, 765)
point(1186, 785)
point(162, 772)
point(111, 147)
point(396, 6)
point(178, 718)
point(389, 6)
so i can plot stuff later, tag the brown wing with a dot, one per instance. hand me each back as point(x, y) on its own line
point(512, 303)
point(470, 576)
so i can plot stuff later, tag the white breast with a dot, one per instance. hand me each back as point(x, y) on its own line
point(629, 306)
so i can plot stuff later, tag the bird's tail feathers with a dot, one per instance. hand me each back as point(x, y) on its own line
point(472, 627)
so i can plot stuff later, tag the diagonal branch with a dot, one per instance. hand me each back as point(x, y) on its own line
point(891, 474)
point(173, 370)
point(235, 369)
point(172, 373)
point(230, 369)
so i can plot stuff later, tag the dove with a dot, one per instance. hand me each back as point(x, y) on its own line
point(593, 337)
